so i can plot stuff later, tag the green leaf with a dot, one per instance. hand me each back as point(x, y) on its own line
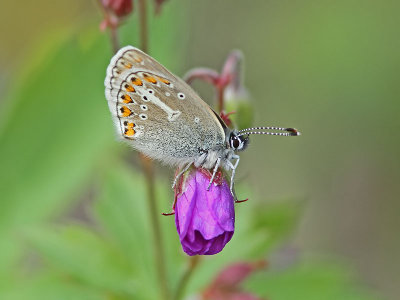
point(309, 281)
point(84, 256)
point(50, 287)
point(122, 211)
point(56, 131)
point(271, 223)
point(55, 127)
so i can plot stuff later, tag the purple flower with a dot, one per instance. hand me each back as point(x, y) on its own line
point(205, 220)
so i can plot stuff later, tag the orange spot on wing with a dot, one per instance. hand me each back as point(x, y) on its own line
point(126, 99)
point(125, 111)
point(138, 59)
point(129, 88)
point(129, 132)
point(149, 78)
point(128, 65)
point(136, 81)
point(164, 80)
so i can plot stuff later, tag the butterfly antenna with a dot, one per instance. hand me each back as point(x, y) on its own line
point(289, 131)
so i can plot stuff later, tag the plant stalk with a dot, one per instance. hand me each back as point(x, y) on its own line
point(148, 169)
point(113, 29)
point(144, 35)
point(147, 166)
point(193, 263)
point(220, 98)
point(114, 39)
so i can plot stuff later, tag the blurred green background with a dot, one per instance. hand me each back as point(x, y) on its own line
point(328, 68)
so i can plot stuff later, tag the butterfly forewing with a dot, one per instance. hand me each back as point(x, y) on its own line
point(157, 112)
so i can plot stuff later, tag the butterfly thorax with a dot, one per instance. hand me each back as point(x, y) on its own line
point(223, 152)
point(209, 159)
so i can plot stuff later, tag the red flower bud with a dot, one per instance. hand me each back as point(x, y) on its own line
point(226, 285)
point(114, 11)
point(119, 8)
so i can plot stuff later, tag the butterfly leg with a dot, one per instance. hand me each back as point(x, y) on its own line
point(177, 191)
point(214, 172)
point(180, 174)
point(232, 185)
point(233, 167)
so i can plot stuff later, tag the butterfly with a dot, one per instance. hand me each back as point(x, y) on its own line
point(161, 116)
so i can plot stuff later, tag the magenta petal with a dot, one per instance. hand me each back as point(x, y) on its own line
point(205, 220)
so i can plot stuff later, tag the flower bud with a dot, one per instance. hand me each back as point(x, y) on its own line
point(119, 8)
point(205, 219)
point(114, 12)
point(227, 284)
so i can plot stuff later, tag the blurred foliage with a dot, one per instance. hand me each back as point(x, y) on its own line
point(57, 143)
point(309, 280)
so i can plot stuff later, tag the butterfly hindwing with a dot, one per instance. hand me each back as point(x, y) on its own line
point(156, 111)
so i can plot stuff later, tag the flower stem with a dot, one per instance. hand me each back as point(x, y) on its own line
point(143, 26)
point(113, 29)
point(193, 263)
point(114, 39)
point(220, 98)
point(147, 166)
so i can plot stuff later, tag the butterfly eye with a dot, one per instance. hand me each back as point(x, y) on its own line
point(236, 143)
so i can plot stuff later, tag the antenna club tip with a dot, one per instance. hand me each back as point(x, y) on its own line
point(293, 131)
